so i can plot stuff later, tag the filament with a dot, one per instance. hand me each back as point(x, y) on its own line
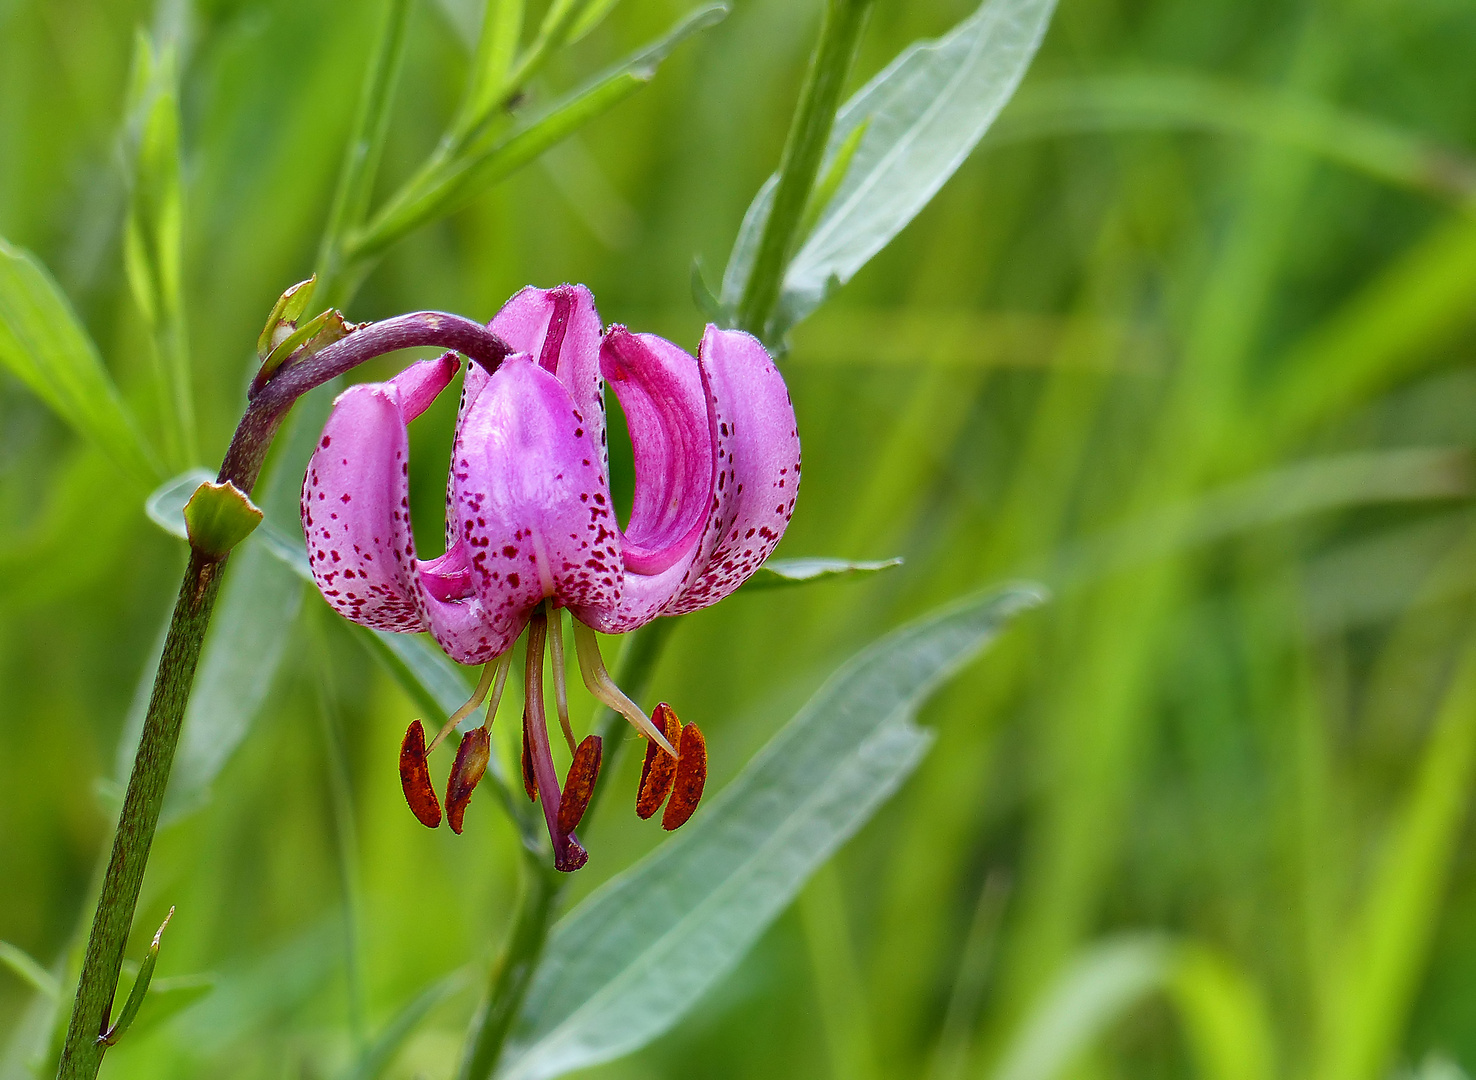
point(478, 696)
point(592, 668)
point(561, 691)
point(504, 665)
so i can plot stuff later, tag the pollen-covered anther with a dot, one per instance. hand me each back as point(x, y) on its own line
point(579, 785)
point(659, 769)
point(415, 778)
point(471, 764)
point(691, 776)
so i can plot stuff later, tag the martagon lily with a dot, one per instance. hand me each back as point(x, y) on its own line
point(531, 530)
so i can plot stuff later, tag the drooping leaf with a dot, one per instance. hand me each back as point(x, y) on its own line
point(923, 115)
point(632, 959)
point(783, 573)
point(26, 967)
point(378, 1055)
point(1091, 994)
point(44, 344)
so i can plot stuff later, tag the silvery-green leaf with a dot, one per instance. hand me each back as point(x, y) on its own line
point(780, 573)
point(925, 113)
point(630, 961)
point(165, 504)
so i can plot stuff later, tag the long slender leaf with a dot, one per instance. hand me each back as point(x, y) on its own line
point(45, 345)
point(1189, 101)
point(27, 968)
point(1388, 941)
point(630, 961)
point(923, 115)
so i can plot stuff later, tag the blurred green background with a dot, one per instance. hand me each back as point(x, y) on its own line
point(1189, 338)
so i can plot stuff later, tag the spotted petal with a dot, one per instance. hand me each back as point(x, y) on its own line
point(356, 518)
point(660, 391)
point(757, 466)
point(531, 502)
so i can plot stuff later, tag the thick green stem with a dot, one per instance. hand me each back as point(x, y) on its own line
point(804, 149)
point(514, 971)
point(83, 1052)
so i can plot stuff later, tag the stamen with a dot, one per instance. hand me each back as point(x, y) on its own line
point(691, 776)
point(530, 781)
point(592, 668)
point(579, 784)
point(659, 769)
point(479, 695)
point(504, 665)
point(415, 778)
point(561, 691)
point(472, 757)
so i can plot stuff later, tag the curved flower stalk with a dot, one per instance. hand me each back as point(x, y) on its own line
point(531, 530)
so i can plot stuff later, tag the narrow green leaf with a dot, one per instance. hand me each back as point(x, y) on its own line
point(153, 237)
point(1090, 995)
point(44, 344)
point(170, 997)
point(486, 161)
point(1387, 943)
point(165, 504)
point(923, 115)
point(29, 970)
point(140, 988)
point(379, 1054)
point(284, 315)
point(1224, 1015)
point(782, 573)
point(1191, 101)
point(1223, 1012)
point(631, 960)
point(593, 14)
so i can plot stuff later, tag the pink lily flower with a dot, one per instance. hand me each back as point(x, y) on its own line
point(531, 529)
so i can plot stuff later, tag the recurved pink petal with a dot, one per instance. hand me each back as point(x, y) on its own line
point(530, 499)
point(757, 466)
point(355, 499)
point(356, 517)
point(660, 390)
point(560, 328)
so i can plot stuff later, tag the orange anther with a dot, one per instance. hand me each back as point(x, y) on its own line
point(660, 767)
point(580, 783)
point(691, 775)
point(471, 764)
point(415, 778)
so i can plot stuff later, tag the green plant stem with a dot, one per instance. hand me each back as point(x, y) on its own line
point(804, 149)
point(103, 962)
point(514, 970)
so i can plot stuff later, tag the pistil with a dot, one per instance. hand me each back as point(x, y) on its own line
point(561, 690)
